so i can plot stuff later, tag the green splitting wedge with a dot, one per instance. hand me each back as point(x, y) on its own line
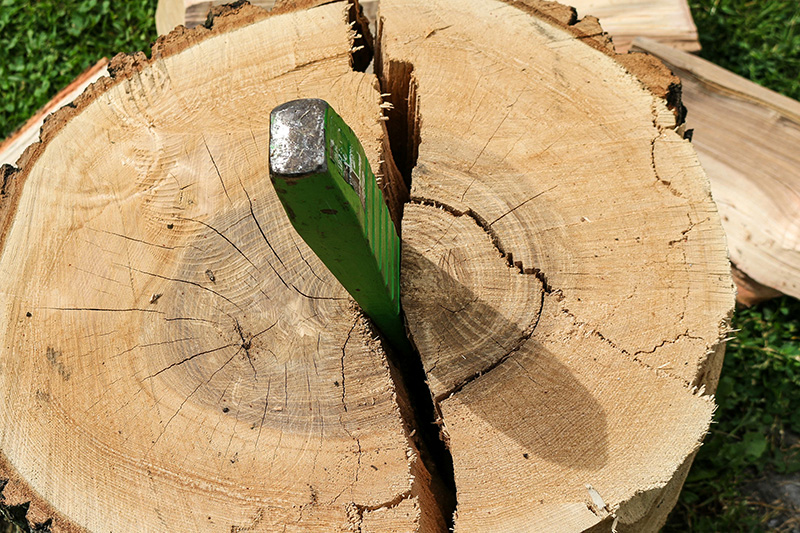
point(326, 186)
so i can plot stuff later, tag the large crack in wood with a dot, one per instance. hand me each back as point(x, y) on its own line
point(417, 376)
point(486, 227)
point(401, 120)
point(634, 356)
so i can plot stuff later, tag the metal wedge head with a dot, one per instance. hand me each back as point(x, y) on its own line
point(329, 192)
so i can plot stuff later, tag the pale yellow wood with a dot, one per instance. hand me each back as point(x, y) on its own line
point(666, 21)
point(577, 364)
point(174, 357)
point(391, 519)
point(564, 277)
point(171, 13)
point(190, 13)
point(747, 139)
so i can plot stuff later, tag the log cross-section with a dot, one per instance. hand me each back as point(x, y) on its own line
point(564, 267)
point(175, 358)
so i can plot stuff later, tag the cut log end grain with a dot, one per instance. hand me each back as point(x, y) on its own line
point(746, 137)
point(175, 357)
point(586, 213)
point(251, 391)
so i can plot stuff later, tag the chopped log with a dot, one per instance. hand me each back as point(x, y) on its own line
point(747, 139)
point(16, 143)
point(564, 269)
point(191, 13)
point(174, 357)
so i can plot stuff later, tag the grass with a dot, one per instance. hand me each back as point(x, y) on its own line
point(757, 39)
point(756, 426)
point(45, 44)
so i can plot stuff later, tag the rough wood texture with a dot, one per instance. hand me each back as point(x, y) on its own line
point(28, 133)
point(747, 139)
point(564, 269)
point(174, 357)
point(181, 361)
point(666, 21)
point(191, 13)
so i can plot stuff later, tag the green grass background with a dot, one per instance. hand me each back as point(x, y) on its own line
point(45, 44)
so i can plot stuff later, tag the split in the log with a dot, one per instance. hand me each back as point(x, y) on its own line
point(181, 360)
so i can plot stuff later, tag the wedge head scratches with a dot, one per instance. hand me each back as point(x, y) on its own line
point(328, 190)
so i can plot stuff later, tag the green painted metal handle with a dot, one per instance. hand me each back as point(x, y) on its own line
point(328, 190)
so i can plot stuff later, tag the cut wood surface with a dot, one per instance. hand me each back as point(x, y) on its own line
point(28, 133)
point(175, 358)
point(748, 140)
point(667, 21)
point(576, 365)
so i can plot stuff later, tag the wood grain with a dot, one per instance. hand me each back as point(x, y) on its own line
point(175, 358)
point(564, 270)
point(747, 139)
point(667, 21)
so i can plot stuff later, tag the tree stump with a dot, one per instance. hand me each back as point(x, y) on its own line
point(175, 358)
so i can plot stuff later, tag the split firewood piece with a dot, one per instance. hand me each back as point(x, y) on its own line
point(747, 139)
point(564, 268)
point(666, 21)
point(174, 357)
point(191, 13)
point(16, 143)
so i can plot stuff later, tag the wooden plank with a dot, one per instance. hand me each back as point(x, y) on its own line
point(666, 21)
point(747, 139)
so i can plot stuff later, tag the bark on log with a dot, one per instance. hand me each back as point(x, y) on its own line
point(747, 139)
point(16, 143)
point(175, 358)
point(666, 21)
